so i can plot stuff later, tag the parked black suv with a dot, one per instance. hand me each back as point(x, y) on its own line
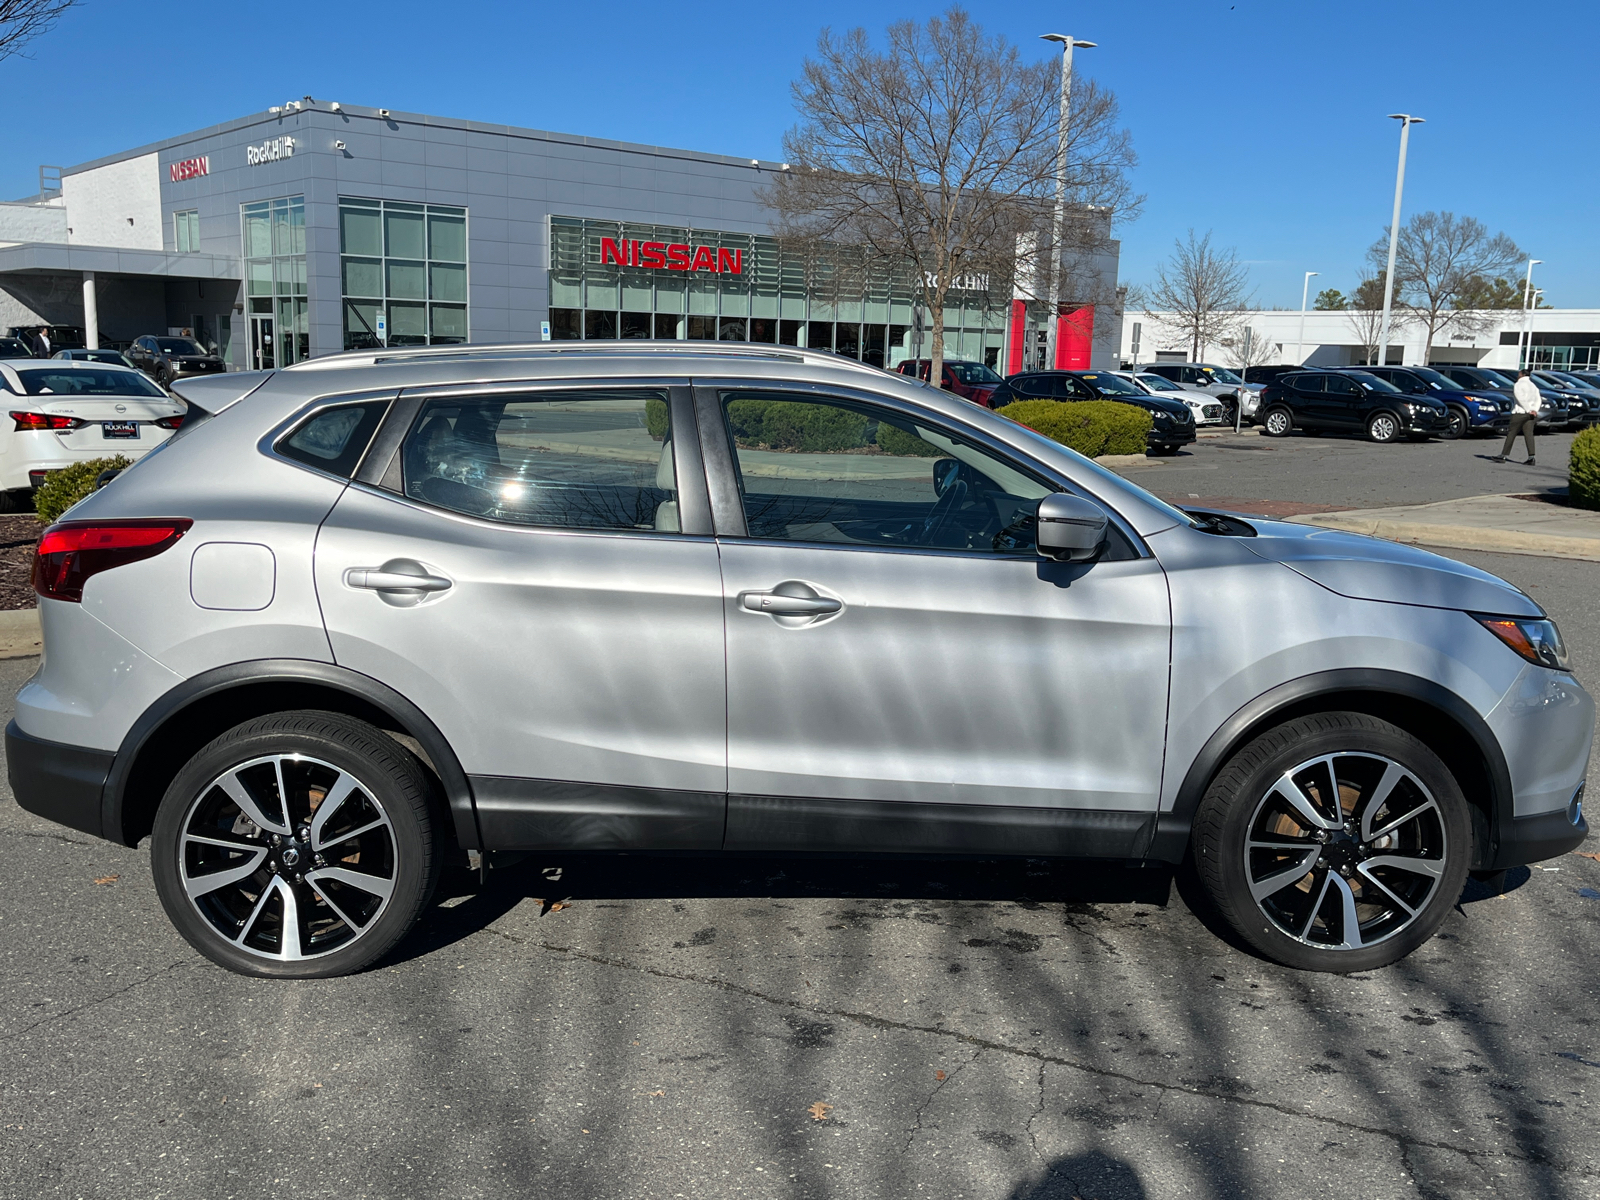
point(1270, 374)
point(1349, 402)
point(167, 358)
point(1172, 423)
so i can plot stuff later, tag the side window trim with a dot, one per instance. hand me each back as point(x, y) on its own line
point(268, 445)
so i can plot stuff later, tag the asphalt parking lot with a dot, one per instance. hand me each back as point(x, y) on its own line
point(666, 1027)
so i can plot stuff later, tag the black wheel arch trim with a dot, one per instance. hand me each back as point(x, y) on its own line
point(1170, 841)
point(405, 714)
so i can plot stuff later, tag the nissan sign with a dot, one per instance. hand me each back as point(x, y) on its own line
point(670, 256)
point(269, 151)
point(189, 168)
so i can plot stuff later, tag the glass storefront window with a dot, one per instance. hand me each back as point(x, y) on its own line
point(408, 261)
point(273, 233)
point(186, 231)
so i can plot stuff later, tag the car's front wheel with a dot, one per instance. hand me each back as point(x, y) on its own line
point(1278, 422)
point(1384, 427)
point(1457, 424)
point(1336, 842)
point(299, 845)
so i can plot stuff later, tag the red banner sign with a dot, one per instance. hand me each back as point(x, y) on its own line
point(670, 256)
point(190, 168)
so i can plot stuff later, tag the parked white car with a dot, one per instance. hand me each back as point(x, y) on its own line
point(1207, 409)
point(58, 412)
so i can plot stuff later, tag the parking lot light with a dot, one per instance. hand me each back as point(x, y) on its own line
point(1300, 346)
point(1058, 220)
point(1524, 354)
point(1406, 122)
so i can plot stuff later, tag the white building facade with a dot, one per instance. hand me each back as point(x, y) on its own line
point(1559, 338)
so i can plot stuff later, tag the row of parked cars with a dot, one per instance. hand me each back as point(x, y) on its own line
point(1384, 403)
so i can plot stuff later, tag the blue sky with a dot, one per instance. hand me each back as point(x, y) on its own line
point(1263, 122)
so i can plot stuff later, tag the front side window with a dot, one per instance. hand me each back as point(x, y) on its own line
point(598, 460)
point(1111, 385)
point(1339, 385)
point(838, 472)
point(1310, 383)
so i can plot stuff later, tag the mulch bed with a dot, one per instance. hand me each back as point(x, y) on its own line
point(18, 536)
point(1561, 498)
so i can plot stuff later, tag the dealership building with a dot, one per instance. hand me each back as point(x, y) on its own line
point(317, 227)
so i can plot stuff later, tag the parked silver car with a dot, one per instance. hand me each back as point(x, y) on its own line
point(1212, 380)
point(383, 608)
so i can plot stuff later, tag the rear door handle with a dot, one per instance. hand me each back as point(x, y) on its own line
point(378, 579)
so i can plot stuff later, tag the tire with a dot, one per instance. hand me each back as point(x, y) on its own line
point(1384, 427)
point(1458, 424)
point(1277, 423)
point(350, 911)
point(1164, 451)
point(1407, 885)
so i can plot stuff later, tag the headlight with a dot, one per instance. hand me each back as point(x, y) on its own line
point(1537, 641)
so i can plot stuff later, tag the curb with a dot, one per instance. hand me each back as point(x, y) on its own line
point(1461, 537)
point(19, 633)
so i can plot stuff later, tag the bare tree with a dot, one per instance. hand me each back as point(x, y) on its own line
point(23, 20)
point(1441, 259)
point(1200, 290)
point(1364, 316)
point(939, 152)
point(1255, 351)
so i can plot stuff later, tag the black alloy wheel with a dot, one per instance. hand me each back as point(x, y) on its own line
point(1457, 422)
point(1336, 842)
point(296, 846)
point(1384, 427)
point(1277, 423)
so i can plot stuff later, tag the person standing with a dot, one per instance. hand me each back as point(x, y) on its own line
point(1524, 417)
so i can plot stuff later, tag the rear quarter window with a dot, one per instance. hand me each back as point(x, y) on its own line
point(334, 439)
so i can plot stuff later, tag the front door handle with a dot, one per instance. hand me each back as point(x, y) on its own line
point(790, 599)
point(386, 579)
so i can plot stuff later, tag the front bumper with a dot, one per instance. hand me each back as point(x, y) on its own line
point(1178, 436)
point(60, 783)
point(1534, 839)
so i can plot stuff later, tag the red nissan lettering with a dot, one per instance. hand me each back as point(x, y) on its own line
point(677, 257)
point(653, 254)
point(609, 252)
point(731, 261)
point(703, 261)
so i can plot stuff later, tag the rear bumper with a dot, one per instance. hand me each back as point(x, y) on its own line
point(60, 783)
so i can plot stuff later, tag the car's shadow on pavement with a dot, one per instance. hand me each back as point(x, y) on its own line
point(463, 906)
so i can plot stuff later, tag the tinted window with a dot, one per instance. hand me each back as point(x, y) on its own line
point(839, 472)
point(1339, 385)
point(972, 372)
point(575, 460)
point(1307, 383)
point(1159, 383)
point(87, 381)
point(1374, 382)
point(1429, 375)
point(1035, 386)
point(178, 345)
point(1195, 375)
point(334, 439)
point(1111, 385)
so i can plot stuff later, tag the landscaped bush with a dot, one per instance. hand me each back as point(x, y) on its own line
point(1583, 469)
point(64, 488)
point(791, 425)
point(898, 441)
point(655, 418)
point(1091, 427)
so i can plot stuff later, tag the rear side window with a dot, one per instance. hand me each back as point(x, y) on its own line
point(597, 460)
point(334, 439)
point(1308, 383)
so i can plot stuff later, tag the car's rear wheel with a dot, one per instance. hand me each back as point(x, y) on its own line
point(299, 845)
point(1336, 842)
point(1457, 424)
point(1278, 422)
point(1384, 427)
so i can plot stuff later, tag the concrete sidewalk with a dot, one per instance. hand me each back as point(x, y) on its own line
point(19, 633)
point(1508, 524)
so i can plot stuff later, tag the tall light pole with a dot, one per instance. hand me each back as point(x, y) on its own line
point(1406, 122)
point(1527, 317)
point(1058, 222)
point(1300, 346)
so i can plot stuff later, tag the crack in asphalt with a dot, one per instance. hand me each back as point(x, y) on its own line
point(982, 1043)
point(53, 1018)
point(1038, 1111)
point(916, 1128)
point(43, 837)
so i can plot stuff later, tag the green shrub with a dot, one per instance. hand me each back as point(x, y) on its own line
point(655, 418)
point(1091, 427)
point(791, 425)
point(1583, 469)
point(898, 441)
point(64, 488)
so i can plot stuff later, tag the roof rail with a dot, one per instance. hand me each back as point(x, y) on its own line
point(629, 348)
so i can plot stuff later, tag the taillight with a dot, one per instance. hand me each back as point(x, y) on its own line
point(169, 422)
point(71, 551)
point(30, 420)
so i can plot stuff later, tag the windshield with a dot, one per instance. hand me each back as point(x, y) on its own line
point(1110, 383)
point(87, 381)
point(1222, 375)
point(971, 372)
point(1109, 481)
point(1159, 383)
point(179, 345)
point(1481, 378)
point(1436, 378)
point(1373, 382)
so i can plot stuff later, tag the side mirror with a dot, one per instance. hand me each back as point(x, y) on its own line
point(945, 472)
point(1070, 529)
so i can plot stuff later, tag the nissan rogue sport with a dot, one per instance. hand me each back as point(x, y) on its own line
point(385, 608)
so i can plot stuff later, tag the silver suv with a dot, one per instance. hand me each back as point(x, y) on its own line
point(383, 609)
